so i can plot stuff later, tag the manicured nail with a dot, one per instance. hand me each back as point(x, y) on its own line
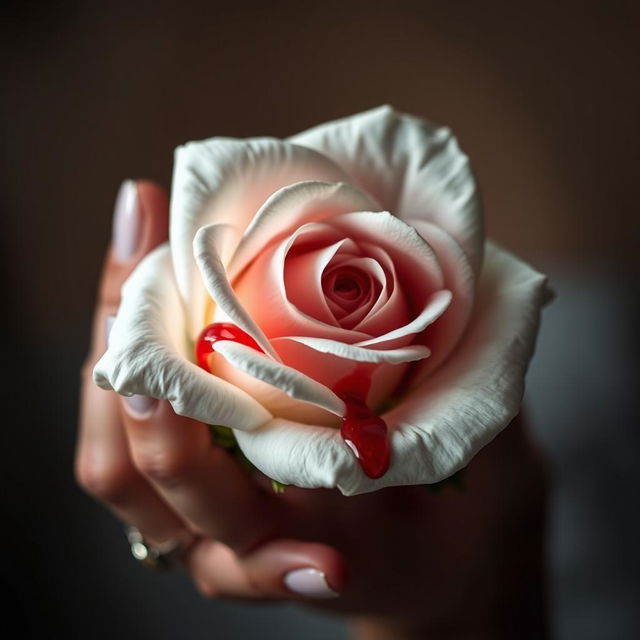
point(108, 325)
point(309, 582)
point(127, 222)
point(140, 406)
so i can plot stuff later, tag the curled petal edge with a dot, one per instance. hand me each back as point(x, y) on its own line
point(147, 353)
point(399, 355)
point(208, 246)
point(294, 383)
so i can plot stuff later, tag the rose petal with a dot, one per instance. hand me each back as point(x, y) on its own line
point(294, 206)
point(329, 369)
point(412, 256)
point(287, 379)
point(303, 282)
point(445, 421)
point(262, 290)
point(416, 170)
point(226, 181)
point(359, 354)
point(302, 455)
point(435, 306)
point(391, 308)
point(147, 353)
point(443, 335)
point(207, 247)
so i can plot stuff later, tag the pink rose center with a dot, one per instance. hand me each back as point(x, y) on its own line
point(336, 280)
point(347, 288)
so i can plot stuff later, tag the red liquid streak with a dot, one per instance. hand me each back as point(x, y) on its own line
point(364, 432)
point(205, 345)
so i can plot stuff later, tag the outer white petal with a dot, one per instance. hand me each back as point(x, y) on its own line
point(359, 354)
point(147, 353)
point(208, 246)
point(415, 169)
point(226, 181)
point(447, 420)
point(301, 455)
point(287, 379)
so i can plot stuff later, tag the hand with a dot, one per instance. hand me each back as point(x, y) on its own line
point(406, 561)
point(161, 473)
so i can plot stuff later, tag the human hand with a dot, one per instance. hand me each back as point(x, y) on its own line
point(417, 562)
point(161, 472)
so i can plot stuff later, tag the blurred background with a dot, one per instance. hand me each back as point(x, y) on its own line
point(544, 98)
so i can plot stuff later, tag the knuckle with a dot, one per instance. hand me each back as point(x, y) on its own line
point(86, 371)
point(106, 480)
point(164, 466)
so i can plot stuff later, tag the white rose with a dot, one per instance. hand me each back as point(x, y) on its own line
point(352, 257)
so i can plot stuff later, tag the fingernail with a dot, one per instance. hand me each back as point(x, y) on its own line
point(309, 582)
point(140, 406)
point(108, 325)
point(126, 221)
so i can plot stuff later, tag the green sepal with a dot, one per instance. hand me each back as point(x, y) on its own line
point(278, 487)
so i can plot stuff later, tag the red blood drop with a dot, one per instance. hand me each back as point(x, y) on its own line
point(363, 430)
point(220, 331)
point(366, 435)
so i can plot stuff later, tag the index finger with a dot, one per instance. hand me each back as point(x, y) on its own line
point(134, 237)
point(103, 463)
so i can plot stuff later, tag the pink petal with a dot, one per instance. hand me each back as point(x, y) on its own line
point(329, 363)
point(303, 282)
point(434, 307)
point(443, 335)
point(275, 376)
point(262, 289)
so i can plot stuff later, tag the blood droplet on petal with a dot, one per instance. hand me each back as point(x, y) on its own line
point(205, 344)
point(362, 429)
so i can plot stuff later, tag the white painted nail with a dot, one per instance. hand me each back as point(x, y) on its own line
point(140, 406)
point(108, 325)
point(126, 221)
point(309, 582)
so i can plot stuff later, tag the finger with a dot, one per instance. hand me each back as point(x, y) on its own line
point(200, 481)
point(103, 464)
point(140, 223)
point(104, 469)
point(281, 569)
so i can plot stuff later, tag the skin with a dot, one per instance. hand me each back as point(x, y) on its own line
point(408, 562)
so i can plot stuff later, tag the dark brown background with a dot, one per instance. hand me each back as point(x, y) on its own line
point(544, 97)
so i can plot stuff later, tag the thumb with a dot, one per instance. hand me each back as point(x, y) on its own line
point(280, 569)
point(294, 568)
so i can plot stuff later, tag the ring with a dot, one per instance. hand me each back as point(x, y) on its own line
point(152, 557)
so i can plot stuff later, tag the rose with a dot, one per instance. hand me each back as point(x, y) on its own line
point(352, 251)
